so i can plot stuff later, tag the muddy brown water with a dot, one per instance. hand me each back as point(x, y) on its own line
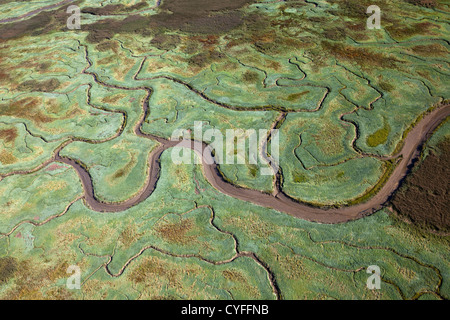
point(410, 151)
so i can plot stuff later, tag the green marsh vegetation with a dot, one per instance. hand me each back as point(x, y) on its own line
point(346, 92)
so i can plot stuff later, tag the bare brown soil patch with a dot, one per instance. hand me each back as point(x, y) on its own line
point(424, 198)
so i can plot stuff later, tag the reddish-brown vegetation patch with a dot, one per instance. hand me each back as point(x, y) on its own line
point(401, 31)
point(424, 3)
point(112, 9)
point(355, 9)
point(424, 198)
point(430, 50)
point(296, 96)
point(8, 135)
point(49, 85)
point(205, 58)
point(152, 268)
point(27, 108)
point(108, 45)
point(165, 41)
point(54, 167)
point(250, 76)
point(362, 56)
point(30, 278)
point(177, 232)
point(8, 266)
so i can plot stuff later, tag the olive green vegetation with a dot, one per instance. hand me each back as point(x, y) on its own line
point(441, 133)
point(345, 93)
point(379, 137)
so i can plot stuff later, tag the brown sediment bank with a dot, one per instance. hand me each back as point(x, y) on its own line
point(423, 198)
